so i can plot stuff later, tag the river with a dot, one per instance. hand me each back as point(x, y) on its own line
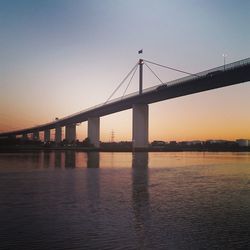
point(77, 200)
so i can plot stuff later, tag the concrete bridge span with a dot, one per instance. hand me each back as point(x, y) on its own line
point(229, 74)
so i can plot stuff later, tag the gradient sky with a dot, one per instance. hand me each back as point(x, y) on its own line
point(58, 57)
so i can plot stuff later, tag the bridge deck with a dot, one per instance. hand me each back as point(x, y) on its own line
point(222, 76)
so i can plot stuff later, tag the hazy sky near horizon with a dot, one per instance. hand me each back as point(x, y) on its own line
point(58, 57)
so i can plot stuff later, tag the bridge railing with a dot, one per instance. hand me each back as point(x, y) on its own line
point(225, 67)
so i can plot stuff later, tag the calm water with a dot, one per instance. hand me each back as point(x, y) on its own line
point(75, 200)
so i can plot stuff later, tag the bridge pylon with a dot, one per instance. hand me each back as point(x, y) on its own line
point(140, 76)
point(140, 126)
point(94, 131)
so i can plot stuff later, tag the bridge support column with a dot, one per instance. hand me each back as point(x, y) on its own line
point(58, 136)
point(140, 126)
point(47, 135)
point(70, 133)
point(25, 136)
point(35, 136)
point(94, 131)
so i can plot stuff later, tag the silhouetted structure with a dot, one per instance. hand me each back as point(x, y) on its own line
point(226, 75)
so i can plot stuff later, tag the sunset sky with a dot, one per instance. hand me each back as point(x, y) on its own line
point(58, 57)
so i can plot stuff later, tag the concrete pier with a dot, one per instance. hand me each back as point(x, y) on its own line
point(94, 131)
point(35, 136)
point(140, 126)
point(25, 136)
point(47, 135)
point(70, 133)
point(58, 135)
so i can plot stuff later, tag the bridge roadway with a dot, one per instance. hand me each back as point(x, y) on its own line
point(226, 75)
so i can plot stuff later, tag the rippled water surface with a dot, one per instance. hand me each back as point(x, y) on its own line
point(76, 200)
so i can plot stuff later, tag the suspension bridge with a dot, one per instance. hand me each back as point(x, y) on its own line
point(226, 75)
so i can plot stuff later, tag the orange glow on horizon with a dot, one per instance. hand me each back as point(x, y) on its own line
point(200, 116)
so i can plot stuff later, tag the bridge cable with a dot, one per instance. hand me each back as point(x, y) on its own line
point(130, 81)
point(154, 73)
point(178, 70)
point(121, 82)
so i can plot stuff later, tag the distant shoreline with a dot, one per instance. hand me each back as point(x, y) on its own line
point(17, 149)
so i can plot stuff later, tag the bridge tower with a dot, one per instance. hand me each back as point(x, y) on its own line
point(140, 76)
point(140, 118)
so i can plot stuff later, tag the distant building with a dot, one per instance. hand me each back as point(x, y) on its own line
point(190, 143)
point(216, 141)
point(173, 143)
point(243, 142)
point(183, 143)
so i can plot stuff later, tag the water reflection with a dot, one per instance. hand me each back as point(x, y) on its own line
point(58, 159)
point(140, 160)
point(93, 160)
point(140, 201)
point(46, 159)
point(67, 159)
point(93, 201)
point(140, 197)
point(70, 159)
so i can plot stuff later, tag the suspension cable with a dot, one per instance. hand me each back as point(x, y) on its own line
point(153, 73)
point(178, 70)
point(130, 81)
point(121, 82)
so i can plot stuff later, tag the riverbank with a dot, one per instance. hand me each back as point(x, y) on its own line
point(25, 148)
